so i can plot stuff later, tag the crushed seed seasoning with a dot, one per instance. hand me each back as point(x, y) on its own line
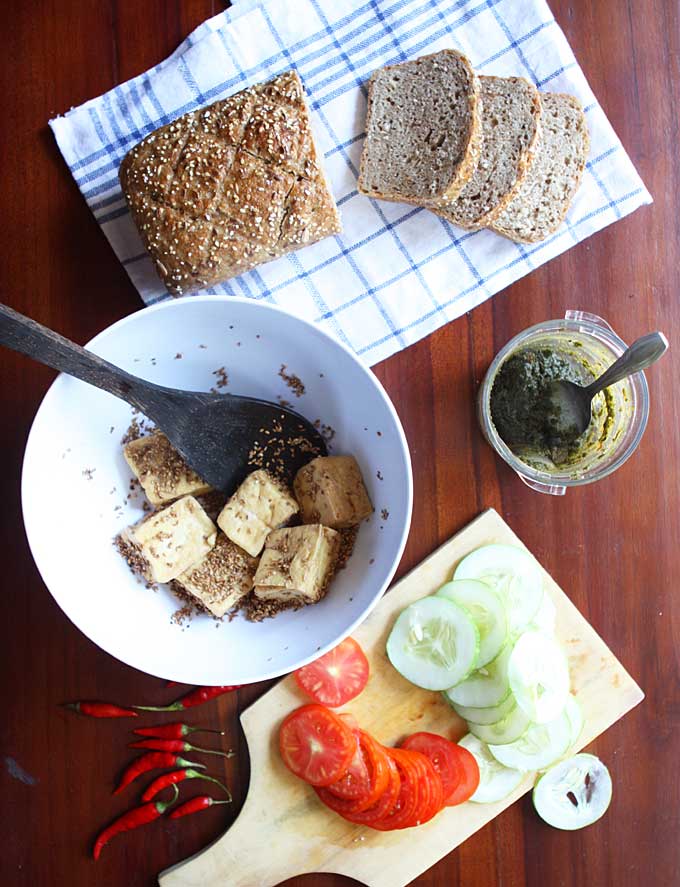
point(294, 382)
point(178, 356)
point(384, 514)
point(348, 538)
point(137, 428)
point(89, 473)
point(286, 404)
point(327, 431)
point(203, 346)
point(273, 450)
point(256, 610)
point(378, 474)
point(222, 377)
point(184, 614)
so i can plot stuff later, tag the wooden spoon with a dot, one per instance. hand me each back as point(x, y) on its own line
point(221, 436)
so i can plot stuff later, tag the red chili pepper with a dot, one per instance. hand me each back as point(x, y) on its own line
point(177, 745)
point(167, 779)
point(152, 761)
point(173, 731)
point(202, 802)
point(132, 819)
point(100, 710)
point(194, 697)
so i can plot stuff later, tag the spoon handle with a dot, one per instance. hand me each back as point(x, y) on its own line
point(31, 338)
point(642, 353)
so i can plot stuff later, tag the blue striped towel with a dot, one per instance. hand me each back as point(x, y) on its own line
point(397, 272)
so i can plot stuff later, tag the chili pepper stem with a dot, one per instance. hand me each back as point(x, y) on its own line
point(214, 751)
point(221, 785)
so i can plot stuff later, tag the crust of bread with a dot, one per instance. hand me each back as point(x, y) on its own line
point(225, 188)
point(537, 238)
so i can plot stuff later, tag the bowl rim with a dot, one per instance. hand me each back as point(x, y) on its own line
point(168, 305)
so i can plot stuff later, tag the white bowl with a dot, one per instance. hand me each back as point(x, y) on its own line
point(75, 483)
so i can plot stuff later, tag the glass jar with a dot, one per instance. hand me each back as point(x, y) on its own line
point(600, 347)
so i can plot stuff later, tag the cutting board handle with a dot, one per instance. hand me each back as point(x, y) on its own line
point(248, 855)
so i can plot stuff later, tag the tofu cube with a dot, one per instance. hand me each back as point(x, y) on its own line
point(331, 491)
point(172, 540)
point(297, 564)
point(259, 506)
point(222, 578)
point(162, 472)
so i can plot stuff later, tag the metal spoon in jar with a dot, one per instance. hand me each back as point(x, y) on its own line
point(570, 404)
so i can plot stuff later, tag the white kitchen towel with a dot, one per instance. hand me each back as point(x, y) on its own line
point(397, 272)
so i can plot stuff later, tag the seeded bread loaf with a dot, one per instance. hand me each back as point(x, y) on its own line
point(228, 187)
point(423, 129)
point(511, 111)
point(542, 201)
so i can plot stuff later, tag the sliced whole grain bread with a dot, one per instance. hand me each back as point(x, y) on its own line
point(423, 129)
point(542, 201)
point(511, 111)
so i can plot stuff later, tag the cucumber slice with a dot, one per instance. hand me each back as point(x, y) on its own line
point(513, 573)
point(490, 715)
point(546, 616)
point(487, 686)
point(433, 643)
point(538, 748)
point(486, 610)
point(495, 781)
point(575, 717)
point(573, 793)
point(539, 676)
point(503, 732)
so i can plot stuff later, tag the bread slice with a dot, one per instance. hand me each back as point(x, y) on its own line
point(540, 205)
point(511, 111)
point(423, 129)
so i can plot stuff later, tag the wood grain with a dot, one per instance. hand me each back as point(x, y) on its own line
point(310, 838)
point(613, 545)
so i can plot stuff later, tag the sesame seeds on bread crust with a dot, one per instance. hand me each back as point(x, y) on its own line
point(228, 187)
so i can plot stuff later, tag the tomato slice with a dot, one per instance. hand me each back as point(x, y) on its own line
point(367, 777)
point(443, 755)
point(410, 800)
point(316, 745)
point(337, 676)
point(469, 779)
point(384, 803)
point(433, 791)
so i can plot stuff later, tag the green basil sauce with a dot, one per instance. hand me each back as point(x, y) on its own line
point(524, 415)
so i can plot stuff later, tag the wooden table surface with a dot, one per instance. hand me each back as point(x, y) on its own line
point(614, 546)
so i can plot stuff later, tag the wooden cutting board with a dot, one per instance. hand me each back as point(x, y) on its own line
point(283, 830)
